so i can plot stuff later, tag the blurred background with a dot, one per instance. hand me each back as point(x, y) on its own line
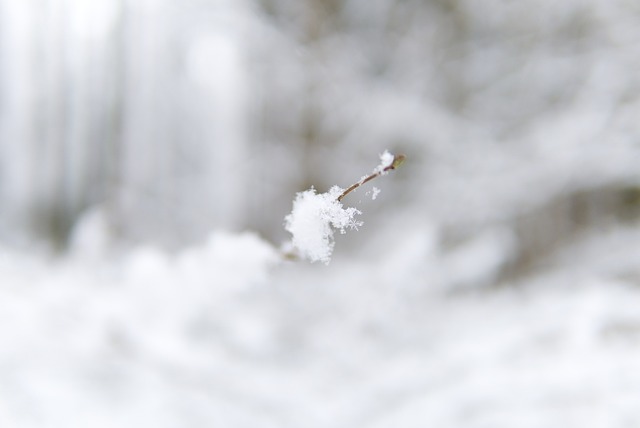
point(172, 119)
point(153, 148)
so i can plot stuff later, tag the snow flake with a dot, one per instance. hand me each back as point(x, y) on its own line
point(374, 193)
point(386, 160)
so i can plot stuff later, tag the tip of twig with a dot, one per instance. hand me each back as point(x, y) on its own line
point(397, 161)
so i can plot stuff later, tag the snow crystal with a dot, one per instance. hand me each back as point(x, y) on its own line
point(386, 160)
point(313, 220)
point(374, 193)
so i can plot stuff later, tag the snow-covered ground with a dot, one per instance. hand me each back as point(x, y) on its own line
point(227, 335)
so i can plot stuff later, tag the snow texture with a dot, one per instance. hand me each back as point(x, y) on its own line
point(374, 193)
point(313, 220)
point(219, 335)
point(386, 160)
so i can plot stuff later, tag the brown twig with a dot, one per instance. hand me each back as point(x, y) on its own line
point(397, 161)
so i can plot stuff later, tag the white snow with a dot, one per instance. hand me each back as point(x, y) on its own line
point(313, 220)
point(374, 193)
point(386, 160)
point(196, 339)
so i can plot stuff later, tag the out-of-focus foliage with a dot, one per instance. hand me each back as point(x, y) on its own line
point(519, 119)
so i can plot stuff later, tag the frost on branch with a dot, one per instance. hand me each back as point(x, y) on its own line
point(315, 216)
point(313, 220)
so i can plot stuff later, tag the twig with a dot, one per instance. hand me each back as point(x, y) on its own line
point(397, 161)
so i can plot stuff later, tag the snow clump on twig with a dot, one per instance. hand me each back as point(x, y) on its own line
point(386, 160)
point(313, 220)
